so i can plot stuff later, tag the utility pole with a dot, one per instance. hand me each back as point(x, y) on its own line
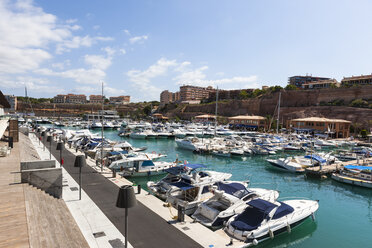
point(215, 123)
point(103, 101)
point(277, 124)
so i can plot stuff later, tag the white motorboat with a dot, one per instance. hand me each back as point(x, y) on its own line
point(262, 219)
point(221, 153)
point(96, 125)
point(188, 174)
point(188, 143)
point(355, 175)
point(138, 166)
point(237, 152)
point(229, 198)
point(138, 135)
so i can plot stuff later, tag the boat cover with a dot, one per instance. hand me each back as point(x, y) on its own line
point(175, 170)
point(235, 189)
point(262, 205)
point(195, 166)
point(358, 167)
point(251, 218)
point(282, 210)
point(316, 157)
point(113, 153)
point(182, 185)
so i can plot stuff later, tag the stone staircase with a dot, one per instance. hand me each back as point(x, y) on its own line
point(50, 223)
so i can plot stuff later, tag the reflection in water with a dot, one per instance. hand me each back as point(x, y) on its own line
point(297, 236)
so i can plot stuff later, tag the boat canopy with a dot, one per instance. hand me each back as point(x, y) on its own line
point(182, 185)
point(282, 210)
point(236, 189)
point(113, 153)
point(194, 166)
point(262, 205)
point(358, 167)
point(175, 170)
point(316, 157)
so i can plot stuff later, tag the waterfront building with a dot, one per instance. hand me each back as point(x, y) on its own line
point(12, 100)
point(77, 99)
point(96, 98)
point(70, 98)
point(321, 84)
point(357, 80)
point(169, 97)
point(159, 117)
point(298, 81)
point(119, 100)
point(205, 118)
point(107, 115)
point(336, 128)
point(60, 98)
point(253, 122)
point(194, 93)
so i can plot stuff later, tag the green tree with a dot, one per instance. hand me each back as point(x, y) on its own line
point(363, 132)
point(275, 88)
point(291, 87)
point(359, 103)
point(243, 94)
point(147, 110)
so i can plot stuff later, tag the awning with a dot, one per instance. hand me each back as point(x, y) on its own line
point(182, 185)
point(358, 167)
point(3, 126)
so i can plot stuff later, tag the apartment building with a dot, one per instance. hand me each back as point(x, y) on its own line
point(12, 100)
point(194, 93)
point(322, 84)
point(357, 80)
point(119, 100)
point(168, 97)
point(300, 80)
point(77, 99)
point(96, 98)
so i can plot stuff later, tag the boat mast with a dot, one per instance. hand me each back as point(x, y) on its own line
point(215, 121)
point(277, 124)
point(102, 130)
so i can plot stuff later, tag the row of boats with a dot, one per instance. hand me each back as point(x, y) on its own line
point(250, 215)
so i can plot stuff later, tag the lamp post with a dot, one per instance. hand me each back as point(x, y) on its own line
point(60, 148)
point(79, 162)
point(49, 139)
point(126, 199)
point(42, 135)
point(38, 131)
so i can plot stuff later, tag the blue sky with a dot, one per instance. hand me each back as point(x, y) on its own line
point(140, 48)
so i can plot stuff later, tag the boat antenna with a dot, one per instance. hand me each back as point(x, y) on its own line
point(102, 129)
point(28, 101)
point(215, 121)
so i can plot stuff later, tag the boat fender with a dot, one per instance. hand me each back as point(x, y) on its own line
point(313, 216)
point(255, 242)
point(289, 228)
point(271, 233)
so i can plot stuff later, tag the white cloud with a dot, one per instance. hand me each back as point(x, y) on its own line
point(34, 85)
point(126, 31)
point(71, 21)
point(160, 68)
point(123, 51)
point(142, 79)
point(95, 27)
point(109, 50)
point(138, 39)
point(79, 41)
point(107, 91)
point(97, 61)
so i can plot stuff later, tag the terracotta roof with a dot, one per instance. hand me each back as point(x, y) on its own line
point(321, 119)
point(3, 101)
point(357, 77)
point(247, 117)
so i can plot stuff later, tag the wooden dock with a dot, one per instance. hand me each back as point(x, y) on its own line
point(327, 170)
point(30, 217)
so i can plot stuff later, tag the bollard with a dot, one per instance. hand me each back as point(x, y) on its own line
point(181, 214)
point(139, 189)
point(10, 142)
point(114, 173)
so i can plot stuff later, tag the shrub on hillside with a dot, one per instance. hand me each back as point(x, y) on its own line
point(359, 103)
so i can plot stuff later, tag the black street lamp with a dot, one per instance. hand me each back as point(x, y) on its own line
point(60, 148)
point(49, 139)
point(126, 199)
point(79, 162)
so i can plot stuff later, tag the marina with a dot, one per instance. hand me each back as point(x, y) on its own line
point(256, 170)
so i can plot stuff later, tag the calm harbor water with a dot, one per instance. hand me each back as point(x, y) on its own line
point(344, 218)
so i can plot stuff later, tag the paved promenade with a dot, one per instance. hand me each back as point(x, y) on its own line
point(146, 228)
